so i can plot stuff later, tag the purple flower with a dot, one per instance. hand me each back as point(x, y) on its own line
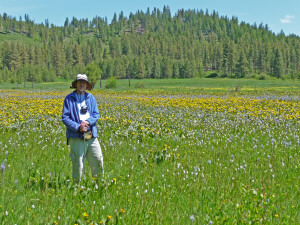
point(3, 167)
point(192, 218)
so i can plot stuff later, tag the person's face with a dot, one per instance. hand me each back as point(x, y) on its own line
point(81, 85)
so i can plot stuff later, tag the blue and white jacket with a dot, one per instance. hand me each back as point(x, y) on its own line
point(70, 115)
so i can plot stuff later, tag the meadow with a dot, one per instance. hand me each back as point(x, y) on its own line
point(172, 155)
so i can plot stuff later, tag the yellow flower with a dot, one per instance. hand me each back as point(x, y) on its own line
point(108, 217)
point(122, 211)
point(276, 215)
point(85, 215)
point(114, 179)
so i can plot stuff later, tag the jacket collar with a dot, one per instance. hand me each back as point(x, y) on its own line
point(73, 94)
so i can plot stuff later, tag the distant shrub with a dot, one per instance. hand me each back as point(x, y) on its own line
point(111, 83)
point(237, 88)
point(139, 85)
point(212, 75)
point(293, 76)
point(224, 75)
point(287, 76)
point(262, 77)
point(254, 76)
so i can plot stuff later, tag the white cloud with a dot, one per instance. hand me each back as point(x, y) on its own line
point(287, 19)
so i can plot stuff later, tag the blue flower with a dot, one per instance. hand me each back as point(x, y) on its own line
point(3, 167)
point(192, 218)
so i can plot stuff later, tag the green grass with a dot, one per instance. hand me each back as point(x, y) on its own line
point(170, 84)
point(18, 37)
point(163, 164)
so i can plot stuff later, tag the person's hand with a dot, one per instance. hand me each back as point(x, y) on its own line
point(83, 126)
point(85, 123)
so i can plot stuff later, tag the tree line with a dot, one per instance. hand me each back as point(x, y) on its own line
point(150, 44)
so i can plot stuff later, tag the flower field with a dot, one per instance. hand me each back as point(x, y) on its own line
point(198, 157)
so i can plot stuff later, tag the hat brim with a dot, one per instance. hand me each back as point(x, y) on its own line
point(89, 85)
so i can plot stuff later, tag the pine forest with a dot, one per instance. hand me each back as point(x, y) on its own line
point(150, 44)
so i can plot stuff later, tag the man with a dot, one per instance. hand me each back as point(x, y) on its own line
point(80, 115)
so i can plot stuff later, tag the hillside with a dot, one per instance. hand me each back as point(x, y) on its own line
point(151, 44)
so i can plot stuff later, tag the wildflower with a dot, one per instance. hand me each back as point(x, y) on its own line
point(192, 218)
point(33, 206)
point(3, 167)
point(272, 141)
point(108, 217)
point(85, 215)
point(210, 222)
point(276, 215)
point(122, 211)
point(209, 162)
point(6, 213)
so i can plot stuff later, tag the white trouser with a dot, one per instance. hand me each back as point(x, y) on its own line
point(90, 150)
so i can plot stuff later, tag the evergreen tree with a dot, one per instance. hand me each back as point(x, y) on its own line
point(156, 70)
point(277, 65)
point(153, 44)
point(15, 61)
point(58, 59)
point(241, 69)
point(77, 55)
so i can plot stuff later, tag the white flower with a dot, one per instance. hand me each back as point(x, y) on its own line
point(192, 218)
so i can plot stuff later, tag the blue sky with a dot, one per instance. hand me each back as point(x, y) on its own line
point(278, 14)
